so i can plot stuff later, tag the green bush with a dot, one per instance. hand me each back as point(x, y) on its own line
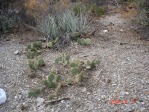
point(7, 22)
point(144, 13)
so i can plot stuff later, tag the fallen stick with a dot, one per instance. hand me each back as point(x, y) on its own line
point(56, 101)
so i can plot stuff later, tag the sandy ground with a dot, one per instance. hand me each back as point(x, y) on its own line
point(123, 73)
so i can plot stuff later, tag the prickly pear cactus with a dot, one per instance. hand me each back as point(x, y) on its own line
point(69, 81)
point(63, 59)
point(33, 65)
point(78, 77)
point(92, 64)
point(52, 80)
point(40, 61)
point(86, 41)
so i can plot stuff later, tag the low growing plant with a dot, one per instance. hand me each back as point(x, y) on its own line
point(92, 64)
point(78, 77)
point(76, 71)
point(86, 41)
point(33, 49)
point(34, 92)
point(63, 59)
point(35, 63)
point(52, 80)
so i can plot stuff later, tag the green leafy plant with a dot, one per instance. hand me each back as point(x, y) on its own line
point(34, 92)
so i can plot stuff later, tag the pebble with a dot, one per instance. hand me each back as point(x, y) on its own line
point(40, 101)
point(84, 89)
point(105, 31)
point(114, 84)
point(126, 93)
point(88, 93)
point(16, 52)
point(121, 30)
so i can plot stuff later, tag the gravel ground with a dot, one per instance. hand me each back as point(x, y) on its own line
point(122, 75)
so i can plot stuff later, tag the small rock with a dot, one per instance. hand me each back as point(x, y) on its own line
point(105, 31)
point(40, 101)
point(84, 89)
point(121, 30)
point(2, 96)
point(88, 93)
point(126, 93)
point(88, 67)
point(114, 84)
point(13, 106)
point(16, 52)
point(142, 109)
point(103, 96)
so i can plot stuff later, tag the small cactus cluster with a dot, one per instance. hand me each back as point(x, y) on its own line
point(76, 72)
point(75, 36)
point(76, 67)
point(63, 59)
point(34, 64)
point(33, 49)
point(92, 64)
point(51, 43)
point(85, 42)
point(52, 80)
point(35, 59)
point(34, 92)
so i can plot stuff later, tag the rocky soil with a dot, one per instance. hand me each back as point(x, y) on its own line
point(122, 75)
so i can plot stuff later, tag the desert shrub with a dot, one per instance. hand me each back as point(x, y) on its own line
point(143, 6)
point(7, 17)
point(67, 22)
point(96, 10)
point(144, 12)
point(90, 8)
point(7, 21)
